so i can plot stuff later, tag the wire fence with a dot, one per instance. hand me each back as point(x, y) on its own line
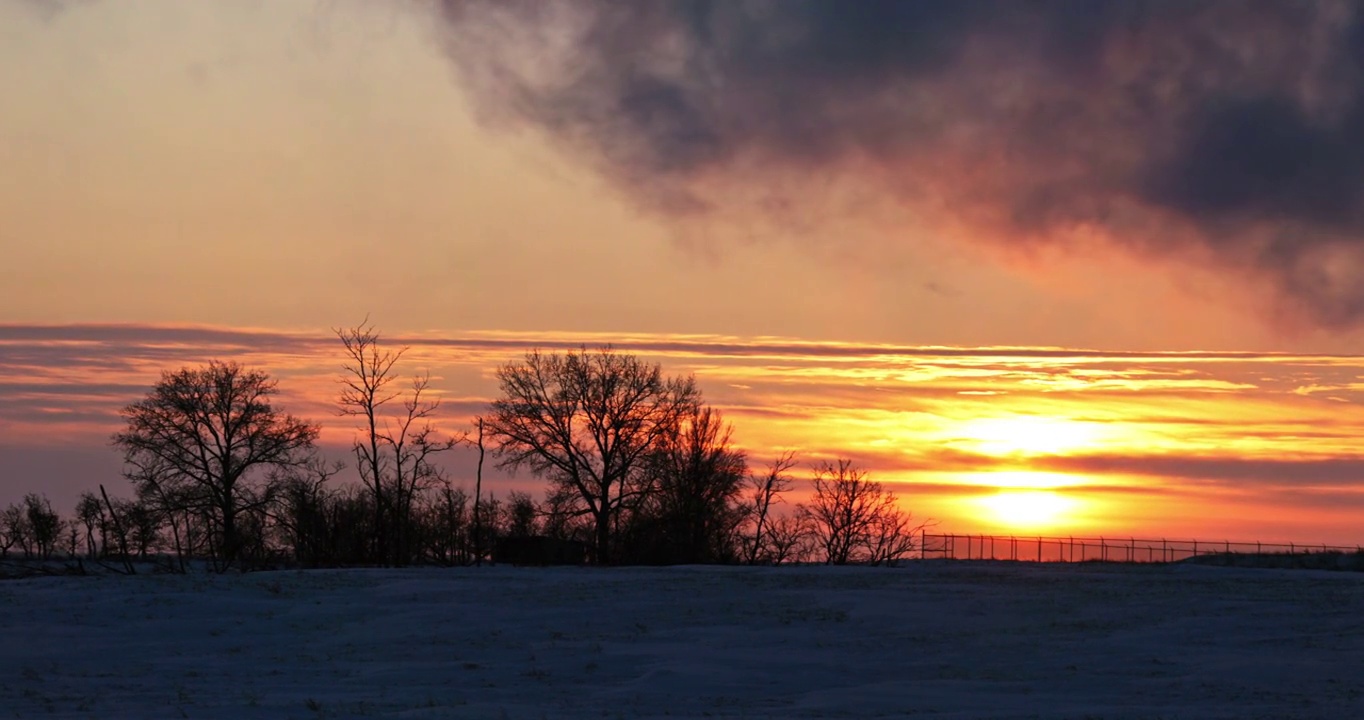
point(1101, 549)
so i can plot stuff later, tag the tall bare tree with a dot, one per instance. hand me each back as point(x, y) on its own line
point(213, 433)
point(368, 373)
point(395, 452)
point(585, 421)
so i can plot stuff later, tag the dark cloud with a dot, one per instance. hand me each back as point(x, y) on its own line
point(1225, 133)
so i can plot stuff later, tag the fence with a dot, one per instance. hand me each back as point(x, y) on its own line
point(1104, 549)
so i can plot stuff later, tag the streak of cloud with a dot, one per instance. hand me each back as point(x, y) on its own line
point(1239, 472)
point(173, 340)
point(1218, 133)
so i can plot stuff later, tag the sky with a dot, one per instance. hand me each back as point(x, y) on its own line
point(1060, 267)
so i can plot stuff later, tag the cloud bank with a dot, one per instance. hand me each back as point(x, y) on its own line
point(1261, 437)
point(1226, 134)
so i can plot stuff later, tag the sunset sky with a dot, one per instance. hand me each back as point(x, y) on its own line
point(1064, 267)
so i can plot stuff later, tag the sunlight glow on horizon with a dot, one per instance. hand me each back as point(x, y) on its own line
point(971, 441)
point(1033, 511)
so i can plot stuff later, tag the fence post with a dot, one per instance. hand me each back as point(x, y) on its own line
point(1039, 548)
point(1103, 549)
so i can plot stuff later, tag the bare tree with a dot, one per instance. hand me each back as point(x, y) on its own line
point(144, 522)
point(301, 510)
point(789, 539)
point(478, 496)
point(689, 510)
point(367, 376)
point(766, 491)
point(44, 524)
point(213, 432)
point(893, 535)
point(71, 538)
point(522, 516)
point(163, 498)
point(445, 520)
point(394, 453)
point(90, 513)
point(854, 519)
point(14, 530)
point(585, 421)
point(120, 532)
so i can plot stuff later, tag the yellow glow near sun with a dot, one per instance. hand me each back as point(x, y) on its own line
point(1028, 435)
point(1030, 510)
point(1021, 479)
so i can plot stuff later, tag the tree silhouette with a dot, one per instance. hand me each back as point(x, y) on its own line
point(208, 436)
point(302, 507)
point(44, 524)
point(586, 422)
point(395, 453)
point(764, 543)
point(14, 530)
point(90, 513)
point(854, 519)
point(688, 511)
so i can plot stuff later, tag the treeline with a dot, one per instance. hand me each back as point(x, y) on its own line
point(638, 470)
point(306, 525)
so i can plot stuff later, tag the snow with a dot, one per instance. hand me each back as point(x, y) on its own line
point(934, 639)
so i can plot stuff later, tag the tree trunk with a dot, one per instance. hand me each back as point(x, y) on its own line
point(229, 535)
point(603, 536)
point(478, 497)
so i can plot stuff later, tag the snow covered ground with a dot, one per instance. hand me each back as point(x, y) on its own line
point(936, 639)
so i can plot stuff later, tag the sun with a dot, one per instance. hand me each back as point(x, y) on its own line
point(1027, 435)
point(1028, 510)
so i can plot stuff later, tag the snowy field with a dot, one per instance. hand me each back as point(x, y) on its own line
point(939, 639)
